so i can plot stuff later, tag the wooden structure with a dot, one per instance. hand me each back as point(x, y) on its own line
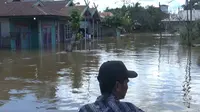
point(43, 24)
point(95, 22)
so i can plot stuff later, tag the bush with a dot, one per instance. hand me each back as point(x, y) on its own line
point(79, 36)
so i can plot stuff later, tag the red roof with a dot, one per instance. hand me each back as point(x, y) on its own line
point(106, 14)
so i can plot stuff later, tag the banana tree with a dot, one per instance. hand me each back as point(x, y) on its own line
point(75, 22)
point(75, 25)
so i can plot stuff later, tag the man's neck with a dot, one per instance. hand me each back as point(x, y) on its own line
point(116, 96)
point(110, 95)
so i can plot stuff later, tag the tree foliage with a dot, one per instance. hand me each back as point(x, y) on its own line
point(131, 16)
point(75, 20)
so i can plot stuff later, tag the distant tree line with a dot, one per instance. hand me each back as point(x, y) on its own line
point(135, 17)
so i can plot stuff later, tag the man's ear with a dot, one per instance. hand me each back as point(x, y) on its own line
point(117, 86)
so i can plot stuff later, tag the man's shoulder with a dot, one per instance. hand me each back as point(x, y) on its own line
point(87, 108)
point(128, 104)
point(93, 107)
point(131, 106)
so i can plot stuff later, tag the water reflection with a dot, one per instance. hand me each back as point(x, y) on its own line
point(186, 84)
point(160, 49)
point(198, 61)
point(56, 80)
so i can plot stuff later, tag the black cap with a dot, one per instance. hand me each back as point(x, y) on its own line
point(114, 70)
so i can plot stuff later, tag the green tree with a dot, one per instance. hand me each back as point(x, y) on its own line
point(135, 16)
point(75, 25)
point(75, 21)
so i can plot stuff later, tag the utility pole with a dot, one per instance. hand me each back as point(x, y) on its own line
point(188, 26)
point(187, 10)
point(189, 42)
point(86, 23)
point(191, 10)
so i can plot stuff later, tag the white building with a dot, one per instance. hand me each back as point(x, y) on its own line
point(182, 16)
point(164, 8)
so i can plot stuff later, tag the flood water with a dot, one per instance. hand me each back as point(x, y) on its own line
point(56, 81)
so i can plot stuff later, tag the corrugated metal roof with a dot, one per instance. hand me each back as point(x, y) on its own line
point(67, 10)
point(55, 8)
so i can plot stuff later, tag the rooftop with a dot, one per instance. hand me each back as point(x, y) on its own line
point(35, 8)
point(106, 14)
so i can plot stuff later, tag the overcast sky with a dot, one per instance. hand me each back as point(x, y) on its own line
point(102, 4)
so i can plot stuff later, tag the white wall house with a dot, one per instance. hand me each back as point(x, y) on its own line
point(176, 21)
point(182, 16)
point(164, 8)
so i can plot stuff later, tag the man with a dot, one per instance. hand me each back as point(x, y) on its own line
point(113, 78)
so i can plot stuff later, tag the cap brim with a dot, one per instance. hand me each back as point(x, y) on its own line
point(132, 74)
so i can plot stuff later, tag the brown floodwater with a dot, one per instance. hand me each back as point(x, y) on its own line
point(56, 81)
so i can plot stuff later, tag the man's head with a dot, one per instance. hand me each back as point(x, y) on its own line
point(113, 78)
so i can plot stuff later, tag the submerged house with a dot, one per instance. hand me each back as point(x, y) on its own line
point(27, 24)
point(95, 28)
point(85, 14)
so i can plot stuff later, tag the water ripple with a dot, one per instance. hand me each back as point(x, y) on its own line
point(168, 78)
